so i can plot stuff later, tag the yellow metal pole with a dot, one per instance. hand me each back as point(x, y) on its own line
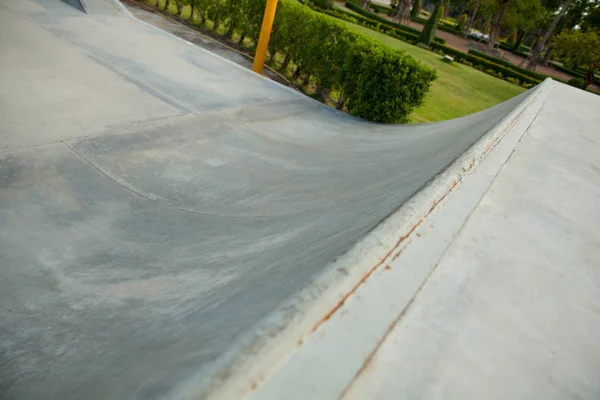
point(265, 34)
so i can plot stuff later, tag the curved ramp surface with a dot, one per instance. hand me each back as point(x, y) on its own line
point(157, 202)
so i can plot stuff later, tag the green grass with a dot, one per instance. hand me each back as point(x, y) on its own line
point(459, 90)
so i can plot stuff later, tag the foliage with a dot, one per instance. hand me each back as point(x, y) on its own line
point(521, 52)
point(395, 87)
point(487, 66)
point(576, 82)
point(390, 29)
point(458, 89)
point(576, 73)
point(508, 65)
point(525, 15)
point(416, 8)
point(512, 38)
point(323, 4)
point(428, 32)
point(462, 23)
point(581, 49)
point(366, 78)
point(381, 9)
point(384, 21)
point(495, 67)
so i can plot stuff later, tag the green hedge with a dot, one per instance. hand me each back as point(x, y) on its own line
point(442, 26)
point(384, 21)
point(509, 65)
point(382, 9)
point(575, 73)
point(373, 81)
point(571, 72)
point(374, 25)
point(508, 47)
point(486, 66)
point(360, 75)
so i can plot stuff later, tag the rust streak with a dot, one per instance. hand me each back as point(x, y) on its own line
point(438, 201)
point(364, 278)
point(453, 184)
point(388, 331)
point(370, 271)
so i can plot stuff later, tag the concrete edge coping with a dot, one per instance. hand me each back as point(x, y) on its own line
point(260, 354)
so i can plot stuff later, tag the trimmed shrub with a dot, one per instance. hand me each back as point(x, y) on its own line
point(389, 85)
point(487, 66)
point(416, 9)
point(578, 74)
point(379, 9)
point(462, 23)
point(428, 32)
point(511, 38)
point(368, 79)
point(360, 20)
point(576, 82)
point(324, 4)
point(508, 64)
point(521, 52)
point(351, 64)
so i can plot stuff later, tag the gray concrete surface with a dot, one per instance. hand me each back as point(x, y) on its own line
point(493, 294)
point(157, 202)
point(513, 309)
point(193, 36)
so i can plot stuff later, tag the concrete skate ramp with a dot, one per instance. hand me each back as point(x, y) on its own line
point(77, 4)
point(157, 202)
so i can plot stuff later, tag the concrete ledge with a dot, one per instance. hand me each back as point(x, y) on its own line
point(314, 325)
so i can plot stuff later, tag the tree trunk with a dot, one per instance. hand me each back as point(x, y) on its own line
point(341, 101)
point(286, 61)
point(547, 55)
point(217, 20)
point(297, 73)
point(589, 78)
point(365, 4)
point(428, 32)
point(324, 94)
point(306, 80)
point(193, 13)
point(230, 30)
point(403, 12)
point(472, 17)
point(497, 24)
point(534, 56)
point(589, 75)
point(179, 8)
point(241, 41)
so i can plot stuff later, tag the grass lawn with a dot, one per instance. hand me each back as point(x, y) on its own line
point(458, 91)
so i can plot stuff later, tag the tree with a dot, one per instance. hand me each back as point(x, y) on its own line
point(497, 22)
point(592, 19)
point(472, 15)
point(428, 32)
point(416, 9)
point(523, 17)
point(534, 56)
point(462, 24)
point(581, 49)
